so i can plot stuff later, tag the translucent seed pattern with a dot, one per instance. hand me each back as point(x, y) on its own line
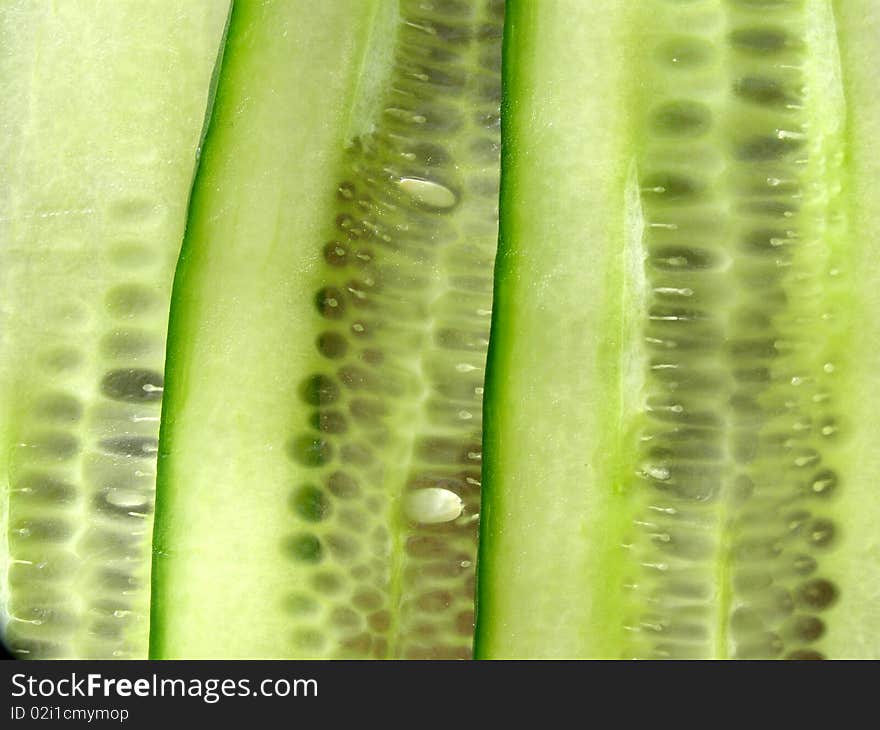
point(393, 446)
point(82, 486)
point(87, 331)
point(735, 465)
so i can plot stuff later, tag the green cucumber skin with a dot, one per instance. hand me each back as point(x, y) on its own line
point(488, 520)
point(244, 23)
point(510, 621)
point(154, 639)
point(497, 636)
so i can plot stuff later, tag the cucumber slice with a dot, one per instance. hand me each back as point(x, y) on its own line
point(680, 457)
point(103, 104)
point(319, 458)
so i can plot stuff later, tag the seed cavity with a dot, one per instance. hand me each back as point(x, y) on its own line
point(122, 502)
point(426, 154)
point(329, 422)
point(42, 530)
point(336, 254)
point(824, 483)
point(342, 485)
point(345, 617)
point(671, 187)
point(434, 601)
point(807, 628)
point(767, 240)
point(685, 118)
point(330, 303)
point(62, 359)
point(310, 451)
point(143, 447)
point(60, 407)
point(804, 564)
point(745, 621)
point(762, 91)
point(356, 378)
point(764, 645)
point(760, 40)
point(305, 547)
point(131, 300)
point(51, 446)
point(310, 503)
point(367, 410)
point(301, 604)
point(821, 533)
point(319, 390)
point(44, 488)
point(129, 343)
point(766, 148)
point(356, 454)
point(328, 583)
point(343, 547)
point(817, 593)
point(132, 385)
point(332, 345)
point(680, 258)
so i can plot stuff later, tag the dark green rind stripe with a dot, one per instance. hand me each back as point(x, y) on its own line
point(535, 189)
point(516, 17)
point(177, 333)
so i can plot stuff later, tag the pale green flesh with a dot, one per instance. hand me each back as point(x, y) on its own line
point(679, 458)
point(320, 455)
point(103, 106)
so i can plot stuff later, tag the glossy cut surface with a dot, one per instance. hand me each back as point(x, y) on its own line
point(679, 420)
point(320, 453)
point(103, 108)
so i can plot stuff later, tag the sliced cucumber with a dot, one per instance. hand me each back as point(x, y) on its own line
point(680, 432)
point(103, 104)
point(319, 458)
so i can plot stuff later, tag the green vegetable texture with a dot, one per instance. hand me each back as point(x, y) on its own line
point(103, 106)
point(301, 202)
point(319, 462)
point(680, 450)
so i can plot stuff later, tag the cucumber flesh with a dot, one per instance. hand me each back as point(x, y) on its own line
point(320, 449)
point(685, 319)
point(102, 112)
